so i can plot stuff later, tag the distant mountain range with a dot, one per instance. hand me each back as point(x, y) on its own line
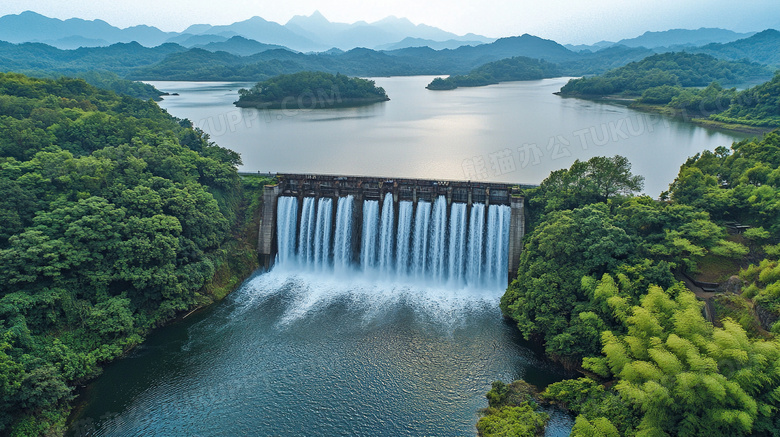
point(32, 27)
point(301, 33)
point(313, 33)
point(674, 39)
point(762, 47)
point(228, 60)
point(388, 31)
point(256, 49)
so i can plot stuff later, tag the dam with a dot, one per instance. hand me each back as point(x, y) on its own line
point(453, 233)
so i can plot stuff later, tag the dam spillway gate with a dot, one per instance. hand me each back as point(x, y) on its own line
point(458, 233)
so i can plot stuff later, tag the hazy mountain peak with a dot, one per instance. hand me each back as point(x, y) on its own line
point(196, 29)
point(317, 15)
point(683, 37)
point(32, 26)
point(254, 19)
point(304, 33)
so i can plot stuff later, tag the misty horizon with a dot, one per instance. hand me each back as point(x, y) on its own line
point(569, 23)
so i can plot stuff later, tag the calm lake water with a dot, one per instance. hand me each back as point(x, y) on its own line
point(292, 353)
point(513, 132)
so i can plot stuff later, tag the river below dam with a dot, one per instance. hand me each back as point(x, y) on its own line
point(296, 353)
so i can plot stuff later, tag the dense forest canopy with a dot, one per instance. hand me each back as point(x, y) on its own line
point(311, 90)
point(113, 215)
point(672, 69)
point(598, 287)
point(757, 106)
point(109, 81)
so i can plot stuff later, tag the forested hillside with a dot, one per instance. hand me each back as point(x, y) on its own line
point(598, 287)
point(761, 48)
point(679, 69)
point(115, 216)
point(757, 106)
point(174, 62)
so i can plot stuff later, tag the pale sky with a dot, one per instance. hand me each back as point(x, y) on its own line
point(565, 21)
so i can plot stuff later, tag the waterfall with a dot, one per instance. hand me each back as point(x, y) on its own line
point(322, 233)
point(286, 226)
point(457, 247)
point(386, 234)
point(497, 253)
point(403, 241)
point(438, 242)
point(422, 223)
point(455, 244)
point(342, 244)
point(476, 245)
point(306, 235)
point(368, 244)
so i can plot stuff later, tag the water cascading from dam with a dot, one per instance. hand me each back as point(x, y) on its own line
point(450, 245)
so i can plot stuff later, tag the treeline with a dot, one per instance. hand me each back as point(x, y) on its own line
point(110, 81)
point(120, 58)
point(516, 68)
point(115, 216)
point(756, 106)
point(679, 69)
point(310, 89)
point(174, 62)
point(597, 287)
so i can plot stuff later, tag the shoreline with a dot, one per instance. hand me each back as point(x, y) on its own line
point(632, 103)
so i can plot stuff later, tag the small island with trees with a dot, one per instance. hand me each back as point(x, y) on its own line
point(311, 90)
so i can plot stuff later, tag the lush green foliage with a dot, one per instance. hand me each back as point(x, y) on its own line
point(520, 421)
point(764, 285)
point(691, 101)
point(599, 179)
point(674, 374)
point(671, 69)
point(516, 68)
point(108, 81)
point(583, 228)
point(595, 407)
point(741, 184)
point(113, 214)
point(112, 82)
point(512, 412)
point(686, 377)
point(757, 106)
point(118, 58)
point(709, 100)
point(311, 90)
point(595, 285)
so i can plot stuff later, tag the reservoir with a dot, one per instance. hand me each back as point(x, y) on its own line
point(515, 132)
